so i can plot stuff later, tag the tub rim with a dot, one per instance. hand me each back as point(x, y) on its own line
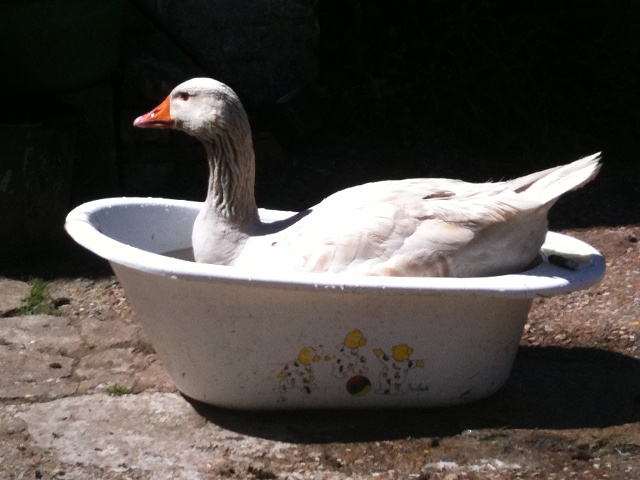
point(542, 280)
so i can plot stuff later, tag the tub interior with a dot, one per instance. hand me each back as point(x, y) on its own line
point(145, 226)
point(157, 227)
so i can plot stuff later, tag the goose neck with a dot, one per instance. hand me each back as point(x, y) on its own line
point(232, 180)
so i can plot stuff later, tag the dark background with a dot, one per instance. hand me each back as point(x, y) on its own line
point(479, 90)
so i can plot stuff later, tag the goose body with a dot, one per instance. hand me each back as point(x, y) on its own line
point(415, 227)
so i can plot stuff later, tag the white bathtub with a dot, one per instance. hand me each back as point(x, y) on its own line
point(262, 341)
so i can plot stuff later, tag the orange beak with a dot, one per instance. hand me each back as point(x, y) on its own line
point(159, 117)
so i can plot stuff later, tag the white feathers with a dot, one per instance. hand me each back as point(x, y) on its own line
point(416, 227)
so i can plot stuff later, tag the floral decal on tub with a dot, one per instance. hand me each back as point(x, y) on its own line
point(353, 361)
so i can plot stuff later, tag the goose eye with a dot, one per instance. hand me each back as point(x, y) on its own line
point(184, 96)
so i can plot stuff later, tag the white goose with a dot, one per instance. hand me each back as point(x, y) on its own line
point(417, 227)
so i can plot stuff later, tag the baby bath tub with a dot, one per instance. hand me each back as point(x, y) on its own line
point(248, 340)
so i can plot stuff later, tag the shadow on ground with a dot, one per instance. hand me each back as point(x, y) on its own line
point(550, 388)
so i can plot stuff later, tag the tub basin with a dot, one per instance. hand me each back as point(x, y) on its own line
point(248, 340)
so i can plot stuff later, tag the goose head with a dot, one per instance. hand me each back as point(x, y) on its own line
point(202, 107)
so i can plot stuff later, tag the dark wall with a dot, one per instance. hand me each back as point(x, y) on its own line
point(522, 71)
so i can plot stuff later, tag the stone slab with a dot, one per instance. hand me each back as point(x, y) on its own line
point(11, 294)
point(41, 333)
point(135, 436)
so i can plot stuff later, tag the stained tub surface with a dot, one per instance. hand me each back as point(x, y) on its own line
point(254, 340)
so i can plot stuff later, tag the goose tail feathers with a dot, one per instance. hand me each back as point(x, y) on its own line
point(552, 183)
